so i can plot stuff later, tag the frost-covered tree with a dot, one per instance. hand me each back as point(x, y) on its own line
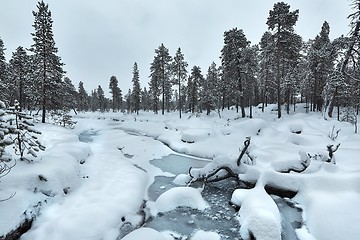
point(94, 101)
point(320, 57)
point(145, 100)
point(249, 64)
point(195, 83)
point(210, 95)
point(267, 69)
point(160, 77)
point(19, 68)
point(48, 67)
point(231, 59)
point(69, 95)
point(116, 94)
point(128, 101)
point(180, 73)
point(136, 91)
point(82, 98)
point(281, 22)
point(4, 88)
point(101, 99)
point(5, 157)
point(23, 133)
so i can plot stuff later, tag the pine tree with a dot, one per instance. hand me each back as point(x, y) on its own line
point(94, 101)
point(281, 21)
point(128, 101)
point(179, 71)
point(145, 100)
point(19, 67)
point(320, 59)
point(196, 81)
point(4, 80)
point(160, 77)
point(69, 95)
point(101, 99)
point(267, 69)
point(116, 94)
point(136, 89)
point(48, 65)
point(210, 96)
point(231, 54)
point(82, 98)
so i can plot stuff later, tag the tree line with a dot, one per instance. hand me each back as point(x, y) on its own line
point(281, 69)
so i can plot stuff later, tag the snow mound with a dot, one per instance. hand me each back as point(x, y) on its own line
point(145, 233)
point(182, 179)
point(178, 197)
point(258, 215)
point(195, 134)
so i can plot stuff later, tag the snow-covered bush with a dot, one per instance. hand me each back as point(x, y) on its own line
point(23, 133)
point(5, 158)
point(63, 118)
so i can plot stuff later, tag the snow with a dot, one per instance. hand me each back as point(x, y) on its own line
point(95, 199)
point(258, 214)
point(145, 233)
point(178, 197)
point(203, 235)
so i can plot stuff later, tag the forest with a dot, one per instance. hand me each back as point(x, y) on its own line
point(282, 68)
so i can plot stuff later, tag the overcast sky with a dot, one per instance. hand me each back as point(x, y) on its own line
point(98, 39)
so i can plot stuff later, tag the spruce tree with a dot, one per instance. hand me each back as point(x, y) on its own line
point(48, 65)
point(136, 89)
point(179, 72)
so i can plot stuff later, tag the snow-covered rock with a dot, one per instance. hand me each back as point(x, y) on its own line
point(258, 215)
point(178, 197)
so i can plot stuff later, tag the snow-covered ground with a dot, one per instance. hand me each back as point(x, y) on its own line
point(93, 190)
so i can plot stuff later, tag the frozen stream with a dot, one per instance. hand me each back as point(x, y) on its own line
point(220, 217)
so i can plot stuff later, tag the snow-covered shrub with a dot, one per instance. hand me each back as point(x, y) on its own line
point(23, 133)
point(349, 115)
point(63, 118)
point(4, 139)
